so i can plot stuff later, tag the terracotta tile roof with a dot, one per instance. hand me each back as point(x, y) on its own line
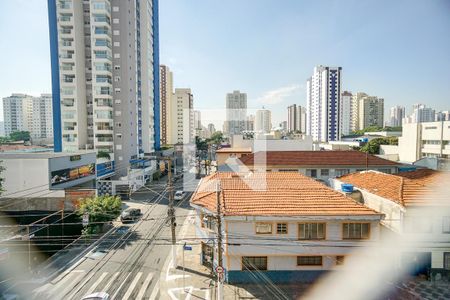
point(274, 194)
point(234, 150)
point(420, 187)
point(317, 158)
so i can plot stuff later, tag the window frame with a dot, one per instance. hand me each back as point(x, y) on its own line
point(340, 260)
point(324, 230)
point(282, 223)
point(252, 268)
point(309, 264)
point(265, 223)
point(444, 266)
point(446, 219)
point(355, 238)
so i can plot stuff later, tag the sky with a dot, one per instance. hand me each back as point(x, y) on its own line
point(395, 49)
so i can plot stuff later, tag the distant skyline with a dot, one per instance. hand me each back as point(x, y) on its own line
point(397, 50)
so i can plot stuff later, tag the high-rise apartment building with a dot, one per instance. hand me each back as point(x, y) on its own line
point(182, 117)
point(421, 114)
point(323, 105)
point(296, 118)
point(105, 77)
point(166, 91)
point(250, 123)
point(371, 112)
point(396, 115)
point(198, 123)
point(443, 115)
point(27, 113)
point(356, 98)
point(263, 121)
point(346, 112)
point(236, 112)
point(211, 128)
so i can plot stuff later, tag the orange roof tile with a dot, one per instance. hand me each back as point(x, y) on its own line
point(420, 187)
point(274, 194)
point(318, 158)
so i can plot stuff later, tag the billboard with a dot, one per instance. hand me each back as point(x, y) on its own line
point(66, 175)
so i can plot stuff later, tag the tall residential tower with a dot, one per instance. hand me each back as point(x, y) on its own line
point(105, 77)
point(236, 112)
point(323, 105)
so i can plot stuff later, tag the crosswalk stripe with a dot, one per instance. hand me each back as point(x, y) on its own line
point(120, 287)
point(92, 288)
point(82, 284)
point(110, 282)
point(144, 286)
point(132, 286)
point(68, 286)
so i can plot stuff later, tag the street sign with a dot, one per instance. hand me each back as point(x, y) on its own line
point(219, 269)
point(187, 248)
point(85, 219)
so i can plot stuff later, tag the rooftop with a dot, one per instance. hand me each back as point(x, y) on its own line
point(39, 155)
point(420, 187)
point(234, 150)
point(317, 158)
point(274, 194)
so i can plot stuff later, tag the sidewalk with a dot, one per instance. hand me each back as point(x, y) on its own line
point(195, 282)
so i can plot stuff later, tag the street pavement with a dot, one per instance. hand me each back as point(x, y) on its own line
point(127, 263)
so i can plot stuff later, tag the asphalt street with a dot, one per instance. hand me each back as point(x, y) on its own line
point(127, 263)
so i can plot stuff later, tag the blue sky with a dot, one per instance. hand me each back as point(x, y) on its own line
point(396, 49)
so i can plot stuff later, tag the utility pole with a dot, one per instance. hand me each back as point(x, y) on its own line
point(219, 246)
point(171, 212)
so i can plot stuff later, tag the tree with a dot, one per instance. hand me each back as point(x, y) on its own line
point(20, 136)
point(373, 146)
point(201, 144)
point(100, 209)
point(216, 138)
point(103, 154)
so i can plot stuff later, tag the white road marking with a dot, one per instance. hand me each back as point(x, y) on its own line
point(120, 287)
point(155, 291)
point(68, 286)
point(92, 288)
point(110, 282)
point(188, 293)
point(144, 286)
point(132, 286)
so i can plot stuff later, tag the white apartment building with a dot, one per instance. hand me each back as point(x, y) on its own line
point(263, 121)
point(443, 116)
point(346, 111)
point(356, 98)
point(416, 206)
point(166, 91)
point(27, 113)
point(420, 114)
point(236, 113)
point(396, 115)
point(323, 105)
point(250, 123)
point(429, 139)
point(371, 112)
point(182, 117)
point(105, 66)
point(294, 230)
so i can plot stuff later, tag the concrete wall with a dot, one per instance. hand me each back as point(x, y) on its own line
point(304, 144)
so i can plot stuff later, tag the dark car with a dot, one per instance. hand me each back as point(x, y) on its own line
point(130, 215)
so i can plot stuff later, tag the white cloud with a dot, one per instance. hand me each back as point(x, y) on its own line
point(278, 95)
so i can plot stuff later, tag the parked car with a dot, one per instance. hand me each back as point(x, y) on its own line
point(97, 296)
point(179, 195)
point(130, 215)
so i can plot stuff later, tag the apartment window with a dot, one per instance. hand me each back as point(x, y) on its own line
point(117, 90)
point(119, 135)
point(287, 170)
point(263, 228)
point(309, 260)
point(430, 127)
point(340, 260)
point(116, 78)
point(447, 260)
point(356, 230)
point(311, 172)
point(118, 124)
point(118, 147)
point(311, 231)
point(117, 101)
point(118, 113)
point(117, 67)
point(387, 171)
point(282, 228)
point(115, 8)
point(116, 44)
point(116, 55)
point(342, 172)
point(253, 263)
point(116, 32)
point(446, 224)
point(116, 21)
point(324, 172)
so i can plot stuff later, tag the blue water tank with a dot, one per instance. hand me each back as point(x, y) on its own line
point(347, 188)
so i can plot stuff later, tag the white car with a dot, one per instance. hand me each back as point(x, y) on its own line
point(179, 195)
point(97, 296)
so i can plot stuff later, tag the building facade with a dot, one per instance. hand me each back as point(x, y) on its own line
point(355, 110)
point(323, 105)
point(166, 91)
point(346, 111)
point(420, 114)
point(182, 117)
point(396, 115)
point(371, 112)
point(27, 113)
point(263, 121)
point(105, 77)
point(296, 118)
point(443, 116)
point(198, 127)
point(236, 113)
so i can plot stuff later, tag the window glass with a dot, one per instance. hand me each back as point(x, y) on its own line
point(311, 231)
point(309, 260)
point(282, 228)
point(262, 228)
point(356, 230)
point(251, 263)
